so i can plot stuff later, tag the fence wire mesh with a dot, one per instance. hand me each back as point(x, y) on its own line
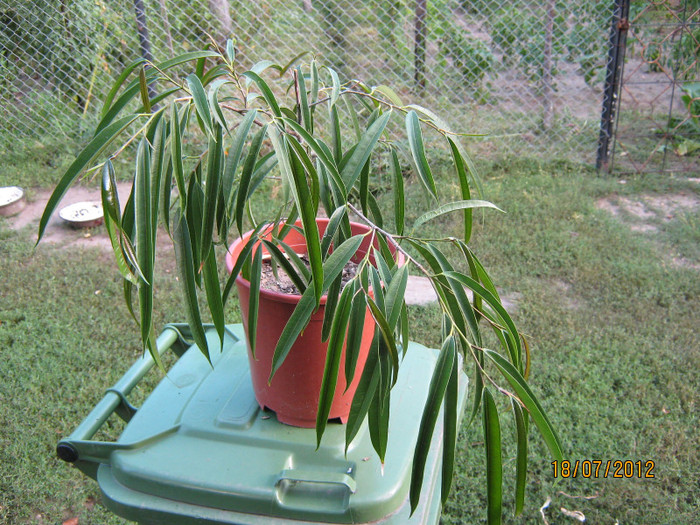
point(527, 75)
point(659, 128)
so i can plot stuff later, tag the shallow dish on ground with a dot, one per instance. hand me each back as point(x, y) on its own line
point(12, 200)
point(82, 214)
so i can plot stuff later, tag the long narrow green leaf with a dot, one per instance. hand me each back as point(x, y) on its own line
point(496, 305)
point(247, 175)
point(377, 288)
point(286, 265)
point(213, 97)
point(494, 462)
point(375, 210)
point(159, 97)
point(332, 366)
point(118, 83)
point(213, 74)
point(473, 173)
point(112, 220)
point(351, 171)
point(439, 122)
point(399, 201)
point(464, 308)
point(195, 207)
point(390, 95)
point(478, 388)
point(96, 146)
point(464, 186)
point(308, 219)
point(355, 330)
point(521, 428)
point(145, 246)
point(313, 190)
point(450, 416)
point(332, 229)
point(124, 99)
point(317, 147)
point(166, 194)
point(366, 389)
point(283, 70)
point(184, 256)
point(262, 168)
point(211, 286)
point(331, 304)
point(265, 91)
point(260, 67)
point(404, 329)
point(128, 288)
point(335, 89)
point(387, 334)
point(304, 100)
point(158, 167)
point(233, 157)
point(254, 299)
point(415, 141)
point(314, 91)
point(185, 264)
point(431, 409)
point(395, 294)
point(532, 405)
point(336, 135)
point(297, 322)
point(176, 156)
point(364, 186)
point(199, 97)
point(379, 409)
point(143, 87)
point(453, 206)
point(296, 261)
point(243, 257)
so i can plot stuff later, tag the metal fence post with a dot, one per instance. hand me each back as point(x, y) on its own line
point(613, 77)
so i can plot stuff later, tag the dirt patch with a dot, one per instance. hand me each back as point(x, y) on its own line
point(57, 231)
point(649, 208)
point(647, 214)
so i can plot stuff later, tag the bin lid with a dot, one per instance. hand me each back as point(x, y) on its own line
point(200, 445)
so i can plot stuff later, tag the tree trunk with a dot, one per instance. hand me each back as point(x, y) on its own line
point(221, 11)
point(419, 37)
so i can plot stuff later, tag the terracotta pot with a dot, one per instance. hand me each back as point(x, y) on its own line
point(294, 391)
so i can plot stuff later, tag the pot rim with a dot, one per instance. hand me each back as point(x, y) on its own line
point(281, 297)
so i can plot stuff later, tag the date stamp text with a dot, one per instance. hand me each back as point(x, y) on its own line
point(598, 468)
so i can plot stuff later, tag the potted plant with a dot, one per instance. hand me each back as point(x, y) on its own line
point(206, 144)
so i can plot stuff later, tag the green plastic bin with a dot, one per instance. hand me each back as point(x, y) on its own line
point(200, 450)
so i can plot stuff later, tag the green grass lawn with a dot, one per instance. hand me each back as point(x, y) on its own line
point(611, 306)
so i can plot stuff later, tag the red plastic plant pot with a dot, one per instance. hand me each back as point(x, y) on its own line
point(294, 390)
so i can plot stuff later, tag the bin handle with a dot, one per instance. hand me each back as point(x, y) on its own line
point(77, 446)
point(333, 478)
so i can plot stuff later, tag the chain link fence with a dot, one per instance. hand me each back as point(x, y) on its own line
point(658, 128)
point(527, 75)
